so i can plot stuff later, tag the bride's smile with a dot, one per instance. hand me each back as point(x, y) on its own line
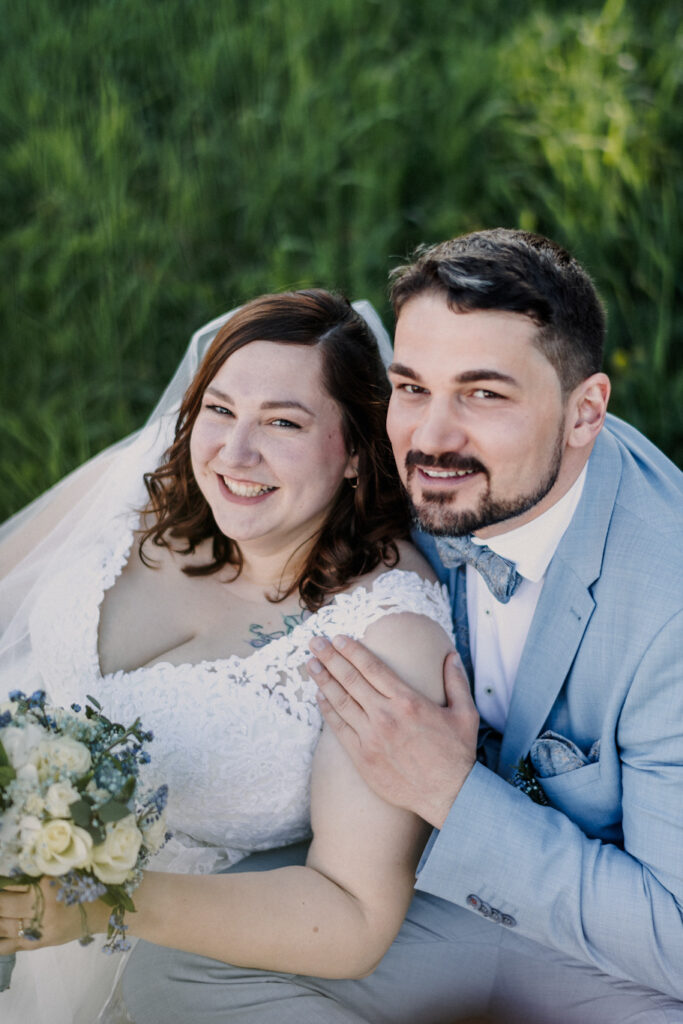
point(244, 489)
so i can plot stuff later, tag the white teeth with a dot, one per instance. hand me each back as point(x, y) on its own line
point(246, 490)
point(446, 474)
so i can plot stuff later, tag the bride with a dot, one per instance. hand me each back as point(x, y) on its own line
point(269, 514)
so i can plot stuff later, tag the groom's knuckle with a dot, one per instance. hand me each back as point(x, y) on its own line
point(387, 723)
point(409, 704)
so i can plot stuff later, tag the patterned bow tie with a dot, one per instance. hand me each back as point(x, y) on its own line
point(499, 574)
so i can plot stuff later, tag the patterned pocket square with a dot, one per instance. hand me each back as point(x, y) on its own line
point(552, 754)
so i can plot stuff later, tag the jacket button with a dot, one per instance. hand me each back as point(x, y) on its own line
point(473, 901)
point(485, 909)
point(508, 920)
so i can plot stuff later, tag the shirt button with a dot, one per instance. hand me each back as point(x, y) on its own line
point(489, 690)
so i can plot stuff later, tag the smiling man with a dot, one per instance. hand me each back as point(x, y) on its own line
point(557, 529)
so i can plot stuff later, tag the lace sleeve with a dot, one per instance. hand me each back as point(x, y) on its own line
point(393, 592)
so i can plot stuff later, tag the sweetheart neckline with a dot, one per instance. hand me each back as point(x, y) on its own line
point(232, 660)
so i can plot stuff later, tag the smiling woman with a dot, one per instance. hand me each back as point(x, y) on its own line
point(301, 355)
point(274, 513)
point(268, 476)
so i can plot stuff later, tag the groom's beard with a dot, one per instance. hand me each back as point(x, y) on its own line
point(434, 514)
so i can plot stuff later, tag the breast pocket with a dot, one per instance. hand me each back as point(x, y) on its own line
point(590, 796)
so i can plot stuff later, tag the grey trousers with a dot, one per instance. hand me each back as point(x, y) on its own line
point(447, 965)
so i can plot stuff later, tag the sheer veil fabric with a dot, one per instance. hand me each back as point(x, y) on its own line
point(44, 537)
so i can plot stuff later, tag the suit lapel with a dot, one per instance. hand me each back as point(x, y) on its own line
point(565, 606)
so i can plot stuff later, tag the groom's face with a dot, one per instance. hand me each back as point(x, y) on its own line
point(476, 418)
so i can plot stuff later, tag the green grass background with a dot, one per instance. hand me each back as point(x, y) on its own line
point(163, 161)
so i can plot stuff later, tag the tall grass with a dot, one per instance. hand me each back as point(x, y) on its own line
point(162, 161)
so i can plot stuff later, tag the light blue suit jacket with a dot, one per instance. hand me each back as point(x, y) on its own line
point(599, 874)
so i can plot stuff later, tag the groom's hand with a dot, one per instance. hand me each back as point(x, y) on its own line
point(410, 751)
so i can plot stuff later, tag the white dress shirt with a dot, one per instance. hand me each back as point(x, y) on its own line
point(498, 632)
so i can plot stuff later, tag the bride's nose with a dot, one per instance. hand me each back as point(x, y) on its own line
point(240, 446)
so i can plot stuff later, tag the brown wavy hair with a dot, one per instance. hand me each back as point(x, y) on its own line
point(363, 523)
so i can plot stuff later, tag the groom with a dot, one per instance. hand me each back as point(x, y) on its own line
point(551, 890)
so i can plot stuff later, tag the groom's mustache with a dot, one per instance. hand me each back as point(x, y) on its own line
point(446, 460)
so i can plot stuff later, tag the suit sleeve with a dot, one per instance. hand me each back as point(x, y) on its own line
point(532, 868)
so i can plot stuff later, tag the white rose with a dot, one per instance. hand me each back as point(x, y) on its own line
point(112, 861)
point(28, 828)
point(61, 754)
point(59, 847)
point(28, 776)
point(9, 840)
point(34, 804)
point(59, 797)
point(20, 741)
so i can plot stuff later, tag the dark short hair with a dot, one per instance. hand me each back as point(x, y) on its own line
point(519, 272)
point(364, 522)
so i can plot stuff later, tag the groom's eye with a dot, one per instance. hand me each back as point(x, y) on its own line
point(485, 393)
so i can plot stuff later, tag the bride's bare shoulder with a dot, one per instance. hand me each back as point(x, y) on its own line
point(409, 560)
point(412, 560)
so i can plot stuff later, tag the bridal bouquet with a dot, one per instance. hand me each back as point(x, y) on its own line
point(72, 807)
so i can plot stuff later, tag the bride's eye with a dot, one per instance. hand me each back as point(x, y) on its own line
point(285, 423)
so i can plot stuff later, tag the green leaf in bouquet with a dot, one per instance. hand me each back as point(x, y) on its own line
point(7, 880)
point(113, 810)
point(81, 813)
point(4, 759)
point(128, 788)
point(116, 896)
point(97, 832)
point(7, 772)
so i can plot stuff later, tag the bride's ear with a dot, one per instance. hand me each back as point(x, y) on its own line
point(351, 470)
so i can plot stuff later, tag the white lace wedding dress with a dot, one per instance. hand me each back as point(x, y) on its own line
point(234, 740)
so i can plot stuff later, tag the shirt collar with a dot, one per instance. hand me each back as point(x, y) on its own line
point(532, 545)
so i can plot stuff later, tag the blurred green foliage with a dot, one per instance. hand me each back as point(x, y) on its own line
point(164, 161)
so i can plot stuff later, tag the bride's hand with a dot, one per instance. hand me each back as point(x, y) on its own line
point(57, 922)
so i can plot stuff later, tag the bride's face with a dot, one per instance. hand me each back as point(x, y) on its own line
point(267, 447)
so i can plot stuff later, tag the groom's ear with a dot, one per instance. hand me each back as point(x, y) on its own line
point(586, 409)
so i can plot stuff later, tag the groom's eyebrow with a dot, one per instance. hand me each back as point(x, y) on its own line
point(402, 371)
point(466, 377)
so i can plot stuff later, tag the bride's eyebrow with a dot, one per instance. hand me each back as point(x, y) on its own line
point(280, 403)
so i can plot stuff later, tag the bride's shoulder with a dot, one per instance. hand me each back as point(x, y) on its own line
point(393, 594)
point(410, 560)
point(407, 619)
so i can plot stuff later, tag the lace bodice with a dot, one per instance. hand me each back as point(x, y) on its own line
point(234, 738)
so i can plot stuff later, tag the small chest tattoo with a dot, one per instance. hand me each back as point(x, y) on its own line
point(259, 639)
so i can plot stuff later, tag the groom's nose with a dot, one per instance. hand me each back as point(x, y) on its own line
point(438, 429)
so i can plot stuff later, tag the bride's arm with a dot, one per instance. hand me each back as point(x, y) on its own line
point(336, 916)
